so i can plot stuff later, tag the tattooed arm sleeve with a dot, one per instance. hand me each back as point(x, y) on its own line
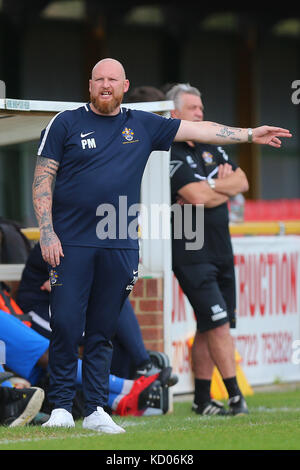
point(45, 173)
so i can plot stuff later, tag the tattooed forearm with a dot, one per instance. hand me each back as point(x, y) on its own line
point(228, 132)
point(38, 180)
point(47, 234)
point(45, 168)
point(45, 172)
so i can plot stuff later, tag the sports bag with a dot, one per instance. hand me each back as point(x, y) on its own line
point(14, 245)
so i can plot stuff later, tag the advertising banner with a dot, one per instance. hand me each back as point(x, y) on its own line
point(267, 335)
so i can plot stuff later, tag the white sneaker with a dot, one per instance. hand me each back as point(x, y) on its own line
point(61, 418)
point(101, 421)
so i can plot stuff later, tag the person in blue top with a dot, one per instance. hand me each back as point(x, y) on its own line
point(88, 225)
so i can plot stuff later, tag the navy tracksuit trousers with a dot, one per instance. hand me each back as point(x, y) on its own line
point(88, 290)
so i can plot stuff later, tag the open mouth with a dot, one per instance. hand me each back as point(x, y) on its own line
point(106, 94)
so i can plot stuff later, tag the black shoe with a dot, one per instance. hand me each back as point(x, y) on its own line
point(156, 394)
point(39, 419)
point(151, 397)
point(164, 376)
point(20, 406)
point(159, 359)
point(210, 408)
point(150, 368)
point(146, 370)
point(237, 406)
point(172, 380)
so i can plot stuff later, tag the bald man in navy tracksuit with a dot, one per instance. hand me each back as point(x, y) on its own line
point(97, 154)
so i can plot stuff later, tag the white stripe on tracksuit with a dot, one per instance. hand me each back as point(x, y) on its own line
point(40, 149)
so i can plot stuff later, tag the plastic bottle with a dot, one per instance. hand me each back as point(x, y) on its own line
point(237, 209)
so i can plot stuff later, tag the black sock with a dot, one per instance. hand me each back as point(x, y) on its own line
point(202, 391)
point(232, 387)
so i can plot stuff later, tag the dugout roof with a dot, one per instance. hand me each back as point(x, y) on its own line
point(23, 120)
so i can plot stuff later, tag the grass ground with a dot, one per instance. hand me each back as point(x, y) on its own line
point(273, 424)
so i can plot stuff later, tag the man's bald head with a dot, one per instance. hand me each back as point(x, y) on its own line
point(114, 64)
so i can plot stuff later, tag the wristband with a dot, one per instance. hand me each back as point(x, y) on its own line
point(250, 135)
point(211, 183)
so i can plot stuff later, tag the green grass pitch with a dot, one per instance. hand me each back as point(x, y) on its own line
point(273, 424)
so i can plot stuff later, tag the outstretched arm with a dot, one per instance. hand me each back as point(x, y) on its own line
point(45, 172)
point(218, 134)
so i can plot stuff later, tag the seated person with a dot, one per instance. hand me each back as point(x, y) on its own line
point(27, 356)
point(18, 406)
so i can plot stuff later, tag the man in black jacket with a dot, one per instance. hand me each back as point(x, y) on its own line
point(203, 174)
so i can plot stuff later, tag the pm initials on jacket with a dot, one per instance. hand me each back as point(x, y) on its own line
point(88, 143)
